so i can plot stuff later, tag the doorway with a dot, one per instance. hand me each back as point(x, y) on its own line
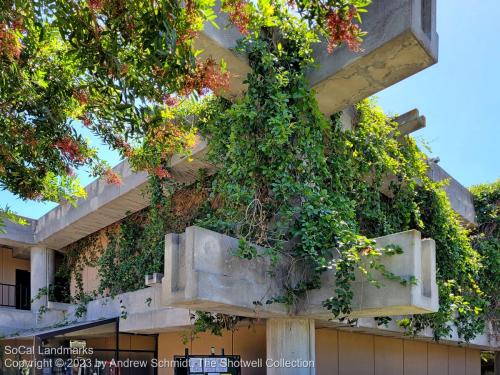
point(23, 290)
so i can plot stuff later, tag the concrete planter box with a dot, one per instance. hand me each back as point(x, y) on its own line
point(203, 274)
point(392, 298)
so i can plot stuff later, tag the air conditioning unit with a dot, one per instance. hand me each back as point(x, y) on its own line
point(153, 279)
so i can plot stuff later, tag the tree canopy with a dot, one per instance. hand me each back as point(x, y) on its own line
point(117, 67)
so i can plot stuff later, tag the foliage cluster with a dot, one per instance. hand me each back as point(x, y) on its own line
point(116, 67)
point(128, 250)
point(137, 247)
point(306, 188)
point(486, 240)
point(313, 193)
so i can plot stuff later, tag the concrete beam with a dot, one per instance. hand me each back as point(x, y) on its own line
point(460, 197)
point(17, 234)
point(201, 257)
point(410, 122)
point(401, 41)
point(106, 204)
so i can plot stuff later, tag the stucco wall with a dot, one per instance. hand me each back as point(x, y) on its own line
point(340, 353)
point(8, 266)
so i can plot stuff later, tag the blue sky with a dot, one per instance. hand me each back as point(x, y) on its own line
point(460, 97)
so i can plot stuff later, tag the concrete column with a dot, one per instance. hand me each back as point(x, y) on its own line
point(42, 274)
point(290, 347)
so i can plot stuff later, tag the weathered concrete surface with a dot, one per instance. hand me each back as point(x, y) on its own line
point(12, 320)
point(410, 122)
point(401, 41)
point(17, 234)
point(201, 257)
point(42, 275)
point(460, 198)
point(392, 298)
point(291, 340)
point(140, 311)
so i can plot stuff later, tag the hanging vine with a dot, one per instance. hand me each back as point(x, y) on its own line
point(312, 193)
point(309, 191)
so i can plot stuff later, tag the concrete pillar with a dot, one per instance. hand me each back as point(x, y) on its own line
point(42, 274)
point(290, 346)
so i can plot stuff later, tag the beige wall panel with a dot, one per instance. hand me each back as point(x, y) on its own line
point(437, 362)
point(327, 352)
point(388, 356)
point(355, 354)
point(139, 342)
point(415, 357)
point(92, 279)
point(249, 343)
point(125, 342)
point(472, 362)
point(8, 266)
point(456, 358)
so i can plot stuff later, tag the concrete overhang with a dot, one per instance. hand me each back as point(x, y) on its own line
point(200, 257)
point(461, 199)
point(106, 204)
point(401, 41)
point(17, 235)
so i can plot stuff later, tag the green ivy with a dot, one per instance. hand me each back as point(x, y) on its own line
point(486, 240)
point(313, 193)
point(137, 248)
point(310, 191)
point(283, 181)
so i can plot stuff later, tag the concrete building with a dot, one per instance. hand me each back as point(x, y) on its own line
point(201, 274)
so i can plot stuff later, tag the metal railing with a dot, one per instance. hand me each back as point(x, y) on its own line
point(7, 295)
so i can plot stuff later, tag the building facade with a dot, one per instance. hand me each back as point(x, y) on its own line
point(155, 321)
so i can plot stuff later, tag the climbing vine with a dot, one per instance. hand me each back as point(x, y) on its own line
point(137, 247)
point(312, 191)
point(125, 252)
point(486, 240)
point(283, 181)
